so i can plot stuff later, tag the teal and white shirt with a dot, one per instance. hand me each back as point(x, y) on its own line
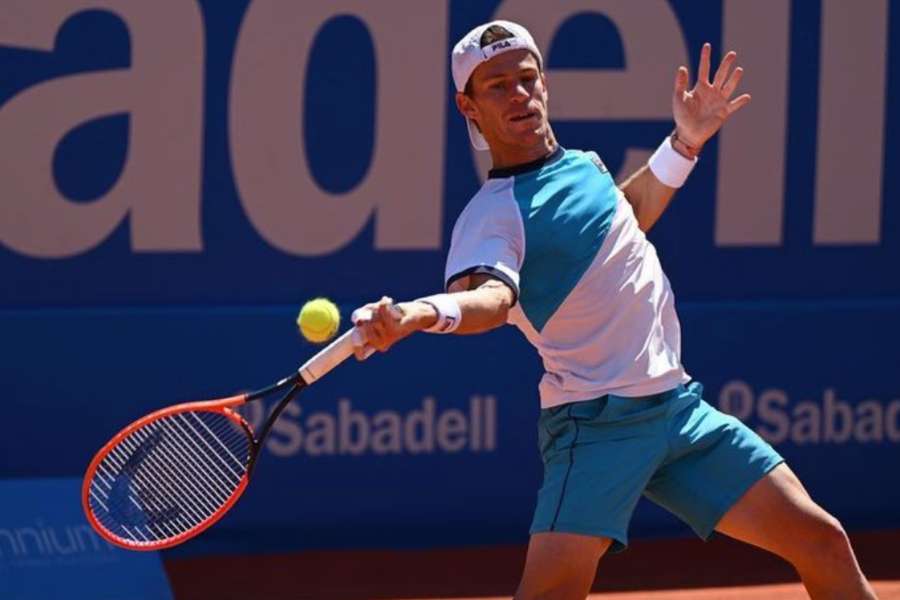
point(591, 294)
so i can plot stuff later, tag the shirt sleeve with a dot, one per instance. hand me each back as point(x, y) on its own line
point(488, 238)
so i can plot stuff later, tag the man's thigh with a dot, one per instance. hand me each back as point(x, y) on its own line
point(713, 460)
point(775, 514)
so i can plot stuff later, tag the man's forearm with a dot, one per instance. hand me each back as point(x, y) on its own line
point(482, 309)
point(648, 196)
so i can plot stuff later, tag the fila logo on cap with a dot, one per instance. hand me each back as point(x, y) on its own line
point(503, 46)
point(497, 38)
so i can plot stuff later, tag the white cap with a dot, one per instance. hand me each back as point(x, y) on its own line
point(482, 44)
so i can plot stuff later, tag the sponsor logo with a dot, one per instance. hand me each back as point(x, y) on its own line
point(39, 544)
point(831, 420)
point(162, 197)
point(449, 321)
point(426, 429)
point(598, 163)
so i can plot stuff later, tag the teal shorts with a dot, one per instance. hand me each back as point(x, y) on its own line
point(601, 455)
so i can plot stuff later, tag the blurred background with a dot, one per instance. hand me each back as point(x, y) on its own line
point(178, 177)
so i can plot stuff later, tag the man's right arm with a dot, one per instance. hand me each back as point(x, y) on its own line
point(484, 304)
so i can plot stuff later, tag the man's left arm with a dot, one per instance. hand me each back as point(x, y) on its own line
point(699, 113)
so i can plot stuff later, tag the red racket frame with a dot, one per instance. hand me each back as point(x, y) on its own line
point(222, 406)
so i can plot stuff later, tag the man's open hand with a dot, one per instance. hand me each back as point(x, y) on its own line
point(701, 112)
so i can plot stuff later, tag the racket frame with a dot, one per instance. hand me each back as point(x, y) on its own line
point(316, 367)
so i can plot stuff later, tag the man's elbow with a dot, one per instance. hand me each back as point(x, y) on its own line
point(504, 300)
point(496, 300)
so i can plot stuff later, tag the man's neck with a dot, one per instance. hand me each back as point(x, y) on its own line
point(505, 157)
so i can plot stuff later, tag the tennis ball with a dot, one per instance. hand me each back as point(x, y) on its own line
point(319, 320)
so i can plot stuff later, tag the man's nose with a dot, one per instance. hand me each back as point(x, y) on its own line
point(520, 93)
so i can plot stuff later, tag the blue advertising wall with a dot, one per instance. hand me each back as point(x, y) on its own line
point(176, 180)
point(48, 550)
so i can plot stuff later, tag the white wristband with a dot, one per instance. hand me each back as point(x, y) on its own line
point(670, 167)
point(449, 315)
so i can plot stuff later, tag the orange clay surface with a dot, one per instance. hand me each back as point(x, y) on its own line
point(675, 569)
point(886, 590)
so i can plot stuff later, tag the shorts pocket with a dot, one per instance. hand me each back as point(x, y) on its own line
point(558, 427)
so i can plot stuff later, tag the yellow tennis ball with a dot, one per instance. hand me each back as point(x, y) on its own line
point(319, 320)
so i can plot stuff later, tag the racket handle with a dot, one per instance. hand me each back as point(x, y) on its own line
point(332, 355)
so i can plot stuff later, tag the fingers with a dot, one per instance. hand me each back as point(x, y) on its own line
point(725, 79)
point(703, 69)
point(373, 334)
point(385, 326)
point(378, 330)
point(377, 323)
point(731, 85)
point(724, 69)
point(364, 313)
point(738, 103)
point(681, 81)
point(386, 311)
point(361, 352)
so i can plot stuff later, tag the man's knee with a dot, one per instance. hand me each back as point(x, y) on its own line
point(560, 566)
point(833, 538)
point(824, 541)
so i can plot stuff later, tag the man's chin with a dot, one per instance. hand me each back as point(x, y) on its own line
point(530, 137)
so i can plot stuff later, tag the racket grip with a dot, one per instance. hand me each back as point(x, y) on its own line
point(332, 355)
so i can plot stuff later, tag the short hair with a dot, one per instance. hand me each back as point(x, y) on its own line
point(495, 33)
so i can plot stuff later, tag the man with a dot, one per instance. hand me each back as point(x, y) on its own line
point(553, 246)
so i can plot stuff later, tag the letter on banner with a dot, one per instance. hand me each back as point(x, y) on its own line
point(653, 47)
point(850, 152)
point(750, 188)
point(159, 187)
point(404, 184)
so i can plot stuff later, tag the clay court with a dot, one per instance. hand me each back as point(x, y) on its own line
point(651, 569)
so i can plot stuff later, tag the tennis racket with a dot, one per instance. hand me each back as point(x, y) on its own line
point(173, 473)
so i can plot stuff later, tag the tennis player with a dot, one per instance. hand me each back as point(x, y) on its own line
point(553, 246)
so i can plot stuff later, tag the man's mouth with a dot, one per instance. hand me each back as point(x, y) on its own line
point(523, 116)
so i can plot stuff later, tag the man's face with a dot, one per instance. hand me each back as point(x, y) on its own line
point(508, 100)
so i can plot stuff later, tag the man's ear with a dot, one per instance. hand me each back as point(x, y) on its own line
point(465, 106)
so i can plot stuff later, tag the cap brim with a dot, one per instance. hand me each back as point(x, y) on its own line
point(478, 141)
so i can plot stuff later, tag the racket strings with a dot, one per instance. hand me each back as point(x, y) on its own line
point(170, 475)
